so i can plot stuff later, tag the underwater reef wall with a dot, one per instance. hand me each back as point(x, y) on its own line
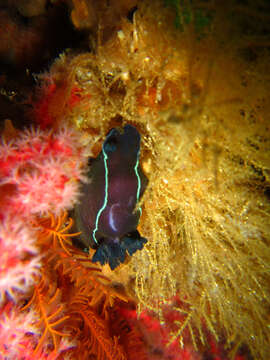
point(194, 79)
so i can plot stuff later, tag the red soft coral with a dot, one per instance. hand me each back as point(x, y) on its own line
point(19, 335)
point(19, 263)
point(15, 330)
point(40, 172)
point(45, 169)
point(156, 337)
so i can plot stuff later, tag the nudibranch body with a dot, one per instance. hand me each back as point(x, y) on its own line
point(106, 215)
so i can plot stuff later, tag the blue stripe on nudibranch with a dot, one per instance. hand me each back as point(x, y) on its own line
point(107, 215)
point(138, 176)
point(139, 180)
point(105, 157)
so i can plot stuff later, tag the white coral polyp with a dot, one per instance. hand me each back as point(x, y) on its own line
point(52, 190)
point(20, 261)
point(14, 326)
point(47, 175)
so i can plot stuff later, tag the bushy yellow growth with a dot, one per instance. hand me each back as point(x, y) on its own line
point(202, 106)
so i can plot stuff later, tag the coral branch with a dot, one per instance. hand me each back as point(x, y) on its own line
point(55, 229)
point(89, 281)
point(50, 310)
point(96, 336)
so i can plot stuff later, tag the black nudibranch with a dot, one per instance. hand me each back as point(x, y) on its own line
point(106, 215)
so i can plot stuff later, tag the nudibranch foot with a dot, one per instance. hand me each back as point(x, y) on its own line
point(109, 253)
point(115, 253)
point(133, 243)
